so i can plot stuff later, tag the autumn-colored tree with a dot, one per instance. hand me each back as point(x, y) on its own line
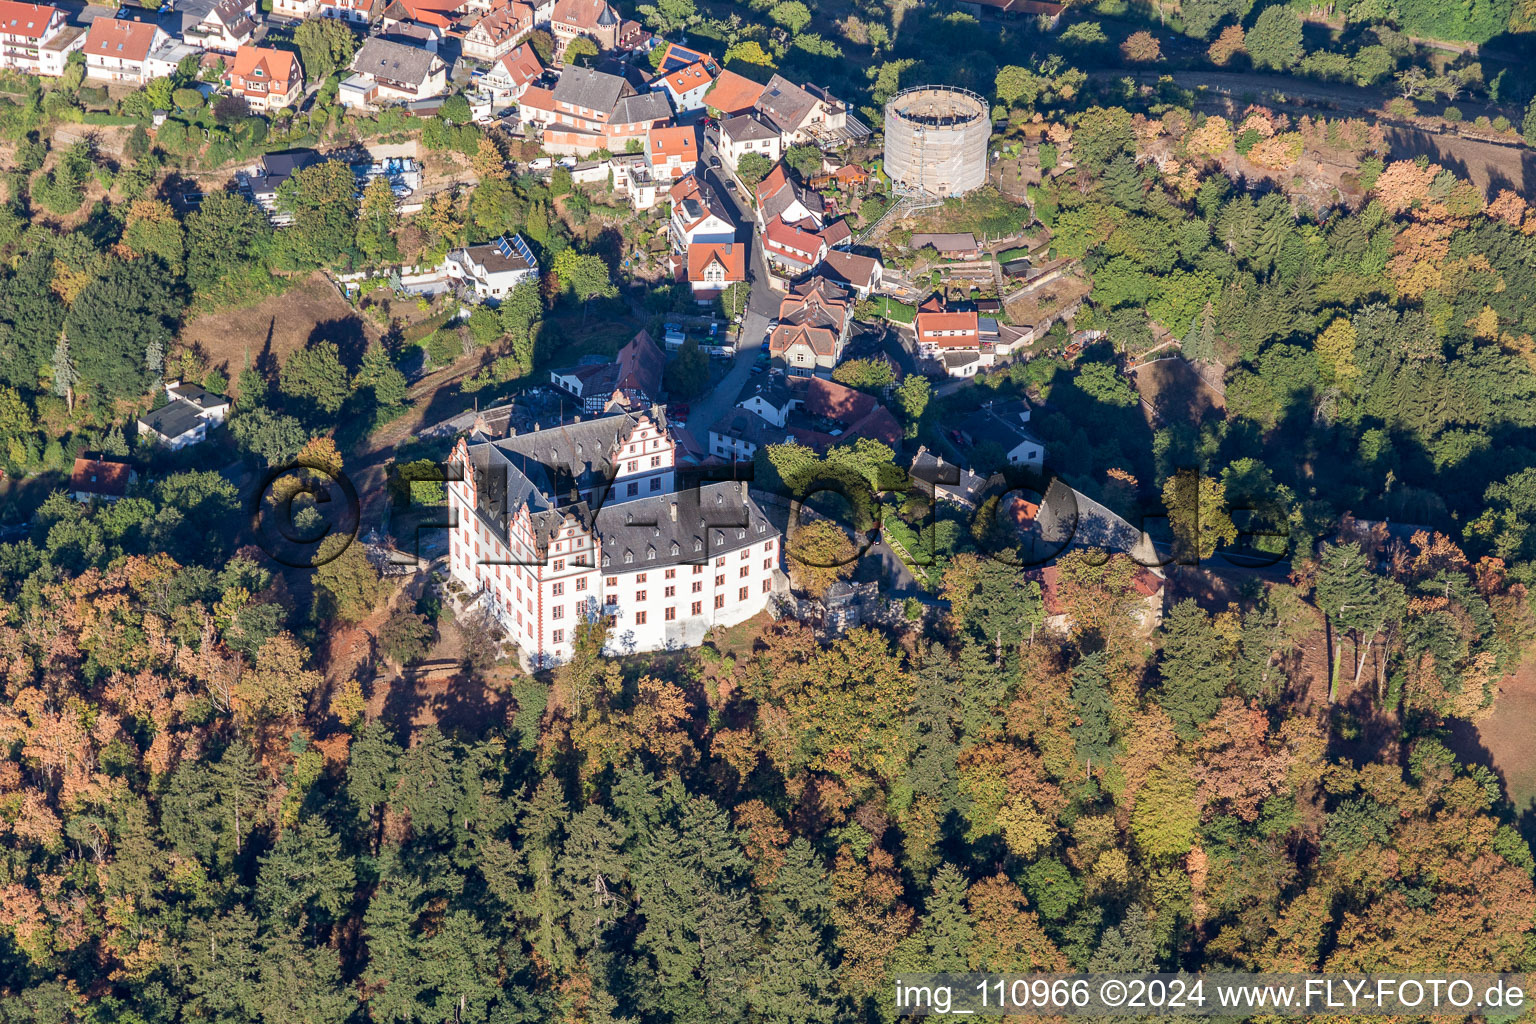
point(820, 554)
point(347, 578)
point(1335, 349)
point(1142, 48)
point(1226, 45)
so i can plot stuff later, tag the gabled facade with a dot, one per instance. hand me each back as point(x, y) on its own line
point(218, 26)
point(100, 480)
point(496, 34)
point(267, 79)
point(559, 526)
point(356, 12)
point(715, 266)
point(805, 114)
point(745, 134)
point(814, 320)
point(793, 248)
point(687, 86)
point(588, 111)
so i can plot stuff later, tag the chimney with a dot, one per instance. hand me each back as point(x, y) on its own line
point(743, 492)
point(674, 511)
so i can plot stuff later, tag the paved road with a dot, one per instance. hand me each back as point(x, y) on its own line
point(762, 304)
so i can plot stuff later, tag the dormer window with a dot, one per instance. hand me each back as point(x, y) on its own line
point(741, 534)
point(629, 556)
point(650, 554)
point(674, 547)
point(762, 528)
point(607, 560)
point(698, 545)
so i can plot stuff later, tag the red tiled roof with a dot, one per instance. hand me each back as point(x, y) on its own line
point(733, 93)
point(928, 323)
point(680, 141)
point(123, 40)
point(275, 65)
point(731, 256)
point(689, 78)
point(522, 64)
point(30, 20)
point(821, 341)
point(792, 240)
point(96, 476)
point(586, 14)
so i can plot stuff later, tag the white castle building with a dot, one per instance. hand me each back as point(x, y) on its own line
point(559, 525)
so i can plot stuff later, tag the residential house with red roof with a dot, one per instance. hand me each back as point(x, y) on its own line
point(517, 69)
point(29, 34)
point(267, 79)
point(779, 195)
point(793, 249)
point(686, 86)
point(590, 110)
point(118, 51)
point(673, 151)
point(814, 320)
point(594, 19)
point(495, 35)
point(715, 266)
point(962, 341)
point(732, 94)
point(100, 480)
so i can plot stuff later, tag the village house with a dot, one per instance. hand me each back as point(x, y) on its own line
point(793, 249)
point(588, 111)
point(673, 151)
point(1003, 424)
point(779, 196)
point(100, 480)
point(36, 39)
point(633, 180)
point(492, 270)
point(737, 435)
point(745, 134)
point(862, 275)
point(495, 35)
point(191, 412)
point(384, 72)
point(946, 481)
point(294, 10)
point(949, 245)
point(421, 23)
point(630, 380)
point(770, 396)
point(118, 51)
point(698, 215)
point(686, 86)
point(356, 12)
point(559, 525)
point(594, 19)
point(807, 114)
point(509, 76)
point(715, 266)
point(220, 26)
point(953, 339)
point(814, 320)
point(266, 79)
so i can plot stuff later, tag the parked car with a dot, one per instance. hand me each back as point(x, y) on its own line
point(714, 162)
point(730, 184)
